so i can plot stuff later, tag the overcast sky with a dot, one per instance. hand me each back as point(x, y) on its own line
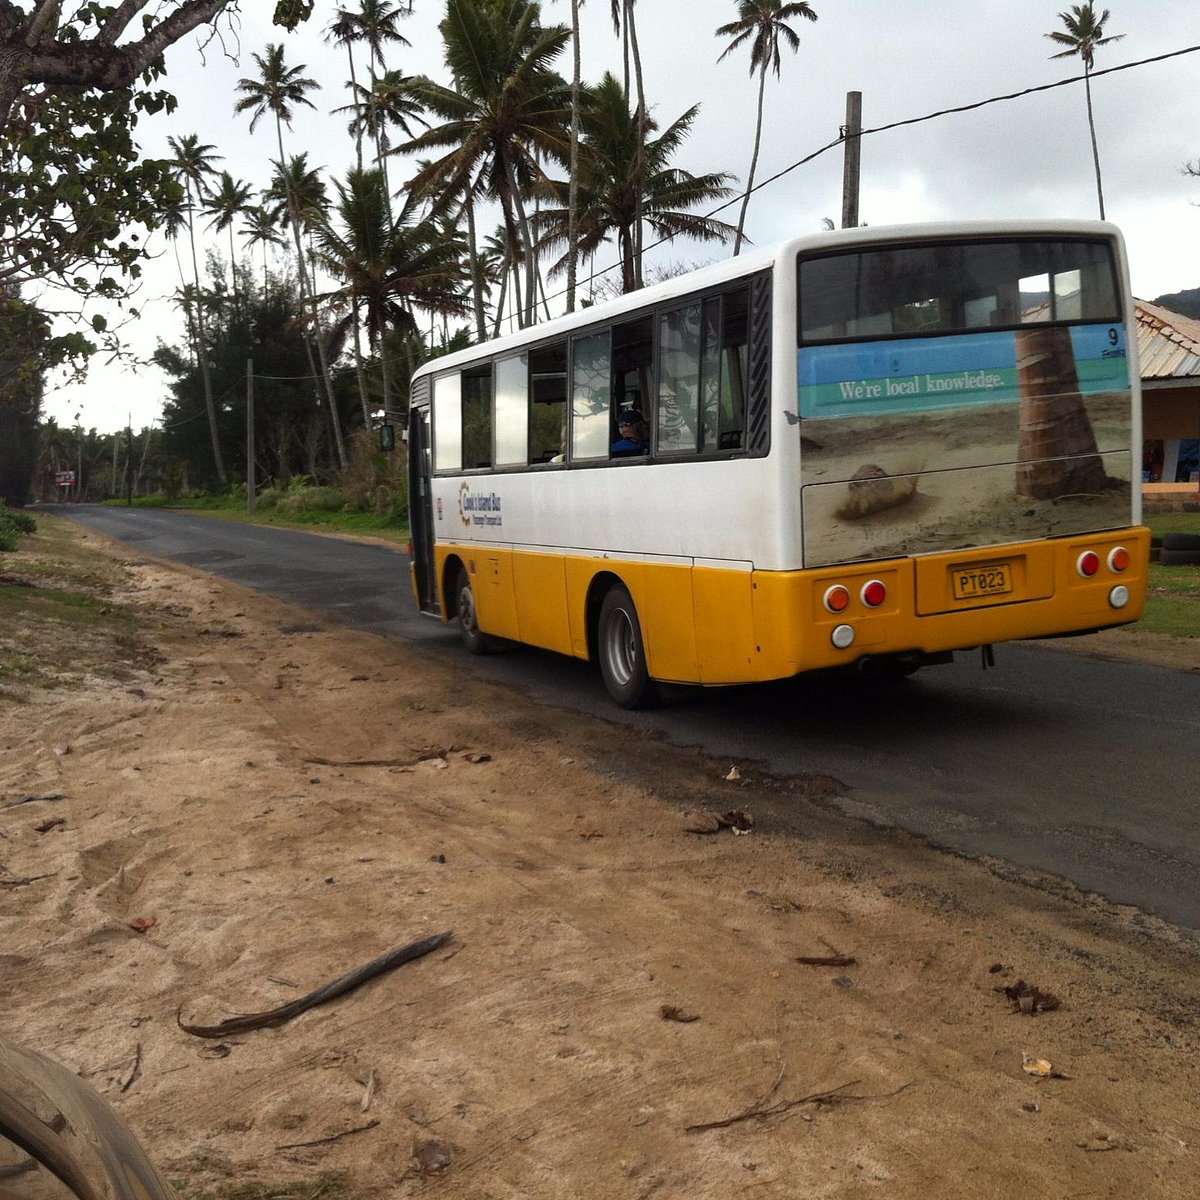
point(1028, 157)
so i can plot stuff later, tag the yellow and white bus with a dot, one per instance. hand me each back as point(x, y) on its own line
point(873, 447)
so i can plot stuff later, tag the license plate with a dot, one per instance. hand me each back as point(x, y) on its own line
point(971, 582)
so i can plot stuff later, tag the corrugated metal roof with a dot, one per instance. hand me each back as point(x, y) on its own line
point(1168, 342)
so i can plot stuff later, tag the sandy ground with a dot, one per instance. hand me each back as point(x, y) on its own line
point(621, 1010)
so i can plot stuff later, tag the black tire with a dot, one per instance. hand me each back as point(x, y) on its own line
point(1182, 541)
point(1179, 558)
point(621, 652)
point(473, 638)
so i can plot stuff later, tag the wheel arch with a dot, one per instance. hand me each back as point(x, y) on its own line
point(599, 587)
point(449, 573)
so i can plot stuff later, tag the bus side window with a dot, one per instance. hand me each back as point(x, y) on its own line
point(477, 417)
point(591, 364)
point(677, 413)
point(447, 422)
point(735, 338)
point(512, 408)
point(548, 403)
point(632, 361)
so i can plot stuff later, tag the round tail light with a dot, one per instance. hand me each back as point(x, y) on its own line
point(836, 598)
point(1118, 559)
point(1088, 563)
point(873, 593)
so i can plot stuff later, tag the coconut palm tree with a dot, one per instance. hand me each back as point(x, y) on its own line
point(508, 106)
point(226, 202)
point(1083, 31)
point(261, 229)
point(193, 165)
point(762, 23)
point(279, 89)
point(612, 197)
point(388, 268)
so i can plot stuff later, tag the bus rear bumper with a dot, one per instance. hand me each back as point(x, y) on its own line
point(934, 604)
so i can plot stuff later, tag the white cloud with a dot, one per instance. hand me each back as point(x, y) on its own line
point(1026, 157)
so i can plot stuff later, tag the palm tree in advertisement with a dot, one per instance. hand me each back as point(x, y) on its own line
point(762, 23)
point(1056, 449)
point(1082, 32)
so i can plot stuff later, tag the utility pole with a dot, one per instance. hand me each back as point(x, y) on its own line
point(251, 484)
point(852, 140)
point(129, 462)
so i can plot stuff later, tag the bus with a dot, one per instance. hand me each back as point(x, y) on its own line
point(868, 448)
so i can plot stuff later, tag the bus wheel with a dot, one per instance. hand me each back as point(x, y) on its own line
point(473, 638)
point(622, 654)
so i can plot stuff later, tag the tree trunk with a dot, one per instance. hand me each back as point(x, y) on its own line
point(741, 225)
point(1056, 449)
point(202, 354)
point(476, 269)
point(573, 187)
point(1087, 86)
point(639, 167)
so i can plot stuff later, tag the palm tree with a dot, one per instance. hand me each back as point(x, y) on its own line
point(762, 23)
point(508, 106)
point(388, 268)
point(612, 197)
point(1083, 32)
point(193, 165)
point(278, 90)
point(262, 230)
point(375, 24)
point(229, 200)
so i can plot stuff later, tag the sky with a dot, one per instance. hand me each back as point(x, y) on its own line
point(1028, 157)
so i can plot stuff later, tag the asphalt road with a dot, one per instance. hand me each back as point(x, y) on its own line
point(1057, 762)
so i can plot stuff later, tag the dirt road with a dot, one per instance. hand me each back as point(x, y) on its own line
point(255, 802)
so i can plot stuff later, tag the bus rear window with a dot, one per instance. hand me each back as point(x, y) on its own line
point(955, 286)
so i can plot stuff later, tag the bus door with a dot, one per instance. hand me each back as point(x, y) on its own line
point(420, 510)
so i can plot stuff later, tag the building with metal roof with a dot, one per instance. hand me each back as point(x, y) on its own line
point(1169, 353)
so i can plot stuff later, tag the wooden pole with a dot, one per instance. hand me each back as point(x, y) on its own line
point(852, 141)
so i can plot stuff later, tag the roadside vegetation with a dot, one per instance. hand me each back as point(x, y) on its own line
point(59, 623)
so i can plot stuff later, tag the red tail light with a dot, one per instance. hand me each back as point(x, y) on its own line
point(873, 593)
point(1088, 563)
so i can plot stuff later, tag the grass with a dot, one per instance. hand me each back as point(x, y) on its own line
point(59, 623)
point(233, 508)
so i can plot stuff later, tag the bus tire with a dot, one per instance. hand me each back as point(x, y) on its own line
point(473, 638)
point(621, 652)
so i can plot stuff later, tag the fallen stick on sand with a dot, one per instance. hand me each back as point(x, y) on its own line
point(322, 995)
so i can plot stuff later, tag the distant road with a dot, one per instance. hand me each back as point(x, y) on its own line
point(1053, 761)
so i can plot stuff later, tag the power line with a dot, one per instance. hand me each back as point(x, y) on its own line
point(942, 112)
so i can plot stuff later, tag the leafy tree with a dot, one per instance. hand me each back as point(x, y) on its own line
point(76, 201)
point(508, 107)
point(1081, 34)
point(22, 329)
point(762, 23)
point(611, 195)
point(262, 328)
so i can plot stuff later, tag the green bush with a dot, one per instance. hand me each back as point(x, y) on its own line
point(13, 525)
point(311, 499)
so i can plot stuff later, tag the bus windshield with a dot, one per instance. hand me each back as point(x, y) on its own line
point(954, 287)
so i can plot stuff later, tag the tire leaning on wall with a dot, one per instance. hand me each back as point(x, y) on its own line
point(1180, 550)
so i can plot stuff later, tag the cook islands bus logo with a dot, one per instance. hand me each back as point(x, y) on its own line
point(478, 509)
